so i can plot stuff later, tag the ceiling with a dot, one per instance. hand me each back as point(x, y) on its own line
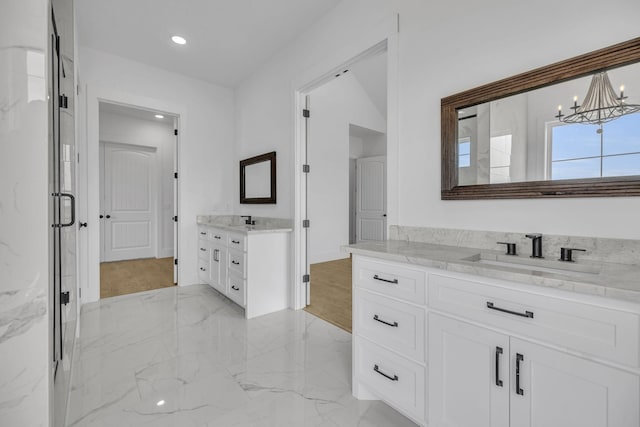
point(138, 113)
point(227, 40)
point(371, 72)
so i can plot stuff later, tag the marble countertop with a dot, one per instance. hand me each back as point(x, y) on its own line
point(621, 281)
point(229, 223)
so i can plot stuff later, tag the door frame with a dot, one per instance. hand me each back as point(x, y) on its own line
point(379, 37)
point(90, 156)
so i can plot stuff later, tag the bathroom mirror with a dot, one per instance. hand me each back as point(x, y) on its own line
point(542, 133)
point(258, 179)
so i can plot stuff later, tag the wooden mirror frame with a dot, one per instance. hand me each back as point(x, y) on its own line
point(615, 56)
point(267, 157)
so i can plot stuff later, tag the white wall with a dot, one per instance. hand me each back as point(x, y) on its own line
point(438, 57)
point(205, 144)
point(334, 106)
point(125, 129)
point(25, 315)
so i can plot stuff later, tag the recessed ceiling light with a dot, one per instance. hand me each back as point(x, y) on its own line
point(160, 403)
point(179, 40)
point(159, 116)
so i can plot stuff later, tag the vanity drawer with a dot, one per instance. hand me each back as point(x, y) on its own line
point(572, 322)
point(393, 378)
point(203, 232)
point(237, 241)
point(237, 289)
point(391, 324)
point(218, 236)
point(391, 279)
point(237, 262)
point(203, 271)
point(204, 249)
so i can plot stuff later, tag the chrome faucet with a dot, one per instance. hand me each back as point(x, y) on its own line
point(248, 220)
point(536, 244)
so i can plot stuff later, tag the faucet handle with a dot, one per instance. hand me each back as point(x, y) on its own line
point(511, 248)
point(566, 254)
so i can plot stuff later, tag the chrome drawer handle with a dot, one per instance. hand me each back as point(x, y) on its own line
point(393, 325)
point(217, 237)
point(528, 314)
point(235, 288)
point(235, 262)
point(203, 249)
point(202, 269)
point(392, 378)
point(394, 281)
point(202, 233)
point(237, 242)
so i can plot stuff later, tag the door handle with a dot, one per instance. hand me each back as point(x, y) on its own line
point(498, 353)
point(73, 209)
point(519, 358)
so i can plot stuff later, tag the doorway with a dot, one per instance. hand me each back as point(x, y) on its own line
point(138, 203)
point(346, 148)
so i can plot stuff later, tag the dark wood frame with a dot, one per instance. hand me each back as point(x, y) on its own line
point(604, 59)
point(267, 157)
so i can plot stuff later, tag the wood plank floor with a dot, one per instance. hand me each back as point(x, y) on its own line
point(137, 275)
point(331, 292)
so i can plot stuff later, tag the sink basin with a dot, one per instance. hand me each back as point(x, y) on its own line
point(533, 265)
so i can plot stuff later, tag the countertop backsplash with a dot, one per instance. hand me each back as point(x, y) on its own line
point(619, 251)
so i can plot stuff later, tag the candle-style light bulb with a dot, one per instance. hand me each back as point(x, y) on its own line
point(559, 108)
point(575, 98)
point(621, 91)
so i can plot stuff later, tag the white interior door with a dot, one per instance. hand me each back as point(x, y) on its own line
point(371, 206)
point(128, 202)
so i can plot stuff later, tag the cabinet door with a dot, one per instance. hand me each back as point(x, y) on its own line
point(557, 389)
point(219, 268)
point(468, 375)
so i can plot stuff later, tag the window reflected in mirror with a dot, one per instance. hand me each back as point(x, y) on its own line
point(524, 137)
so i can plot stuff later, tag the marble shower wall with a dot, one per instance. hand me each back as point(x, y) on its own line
point(620, 251)
point(24, 229)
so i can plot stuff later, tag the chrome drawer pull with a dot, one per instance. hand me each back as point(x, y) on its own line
point(202, 233)
point(394, 281)
point(217, 237)
point(377, 319)
point(528, 314)
point(203, 249)
point(235, 288)
point(202, 269)
point(393, 378)
point(237, 242)
point(235, 262)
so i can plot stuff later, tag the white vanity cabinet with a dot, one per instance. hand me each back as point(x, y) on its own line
point(389, 335)
point(498, 353)
point(251, 269)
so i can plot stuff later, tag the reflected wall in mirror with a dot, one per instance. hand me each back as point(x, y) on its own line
point(258, 179)
point(518, 138)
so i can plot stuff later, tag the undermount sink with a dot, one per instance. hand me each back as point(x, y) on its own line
point(533, 265)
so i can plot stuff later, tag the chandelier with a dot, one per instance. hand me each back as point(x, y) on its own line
point(601, 104)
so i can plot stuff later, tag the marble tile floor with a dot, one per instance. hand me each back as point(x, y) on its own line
point(187, 357)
